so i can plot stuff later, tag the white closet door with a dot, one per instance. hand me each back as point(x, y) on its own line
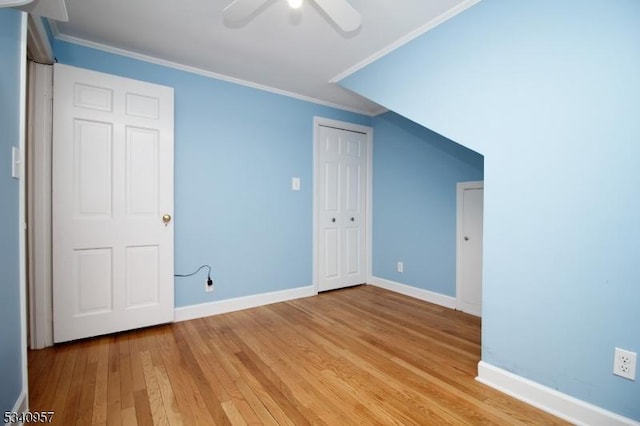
point(342, 171)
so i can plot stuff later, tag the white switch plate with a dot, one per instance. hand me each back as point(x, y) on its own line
point(16, 161)
point(400, 267)
point(295, 184)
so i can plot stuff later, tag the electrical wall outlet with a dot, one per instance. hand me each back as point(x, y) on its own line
point(208, 285)
point(624, 364)
point(400, 267)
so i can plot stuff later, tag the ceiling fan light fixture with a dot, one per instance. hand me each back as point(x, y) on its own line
point(339, 11)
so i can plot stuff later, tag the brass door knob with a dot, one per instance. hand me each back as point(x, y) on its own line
point(166, 218)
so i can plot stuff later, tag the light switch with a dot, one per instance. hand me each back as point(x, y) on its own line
point(16, 162)
point(295, 184)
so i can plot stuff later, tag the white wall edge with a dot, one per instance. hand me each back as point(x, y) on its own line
point(550, 400)
point(202, 310)
point(22, 215)
point(417, 293)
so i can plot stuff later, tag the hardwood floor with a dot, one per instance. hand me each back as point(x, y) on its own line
point(355, 356)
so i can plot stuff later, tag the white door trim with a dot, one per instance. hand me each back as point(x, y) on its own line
point(39, 215)
point(460, 188)
point(22, 212)
point(38, 191)
point(368, 131)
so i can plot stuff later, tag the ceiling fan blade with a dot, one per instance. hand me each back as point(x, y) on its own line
point(12, 3)
point(342, 13)
point(241, 9)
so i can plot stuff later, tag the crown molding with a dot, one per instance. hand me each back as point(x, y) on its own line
point(38, 44)
point(200, 71)
point(406, 39)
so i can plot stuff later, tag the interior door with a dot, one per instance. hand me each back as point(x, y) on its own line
point(342, 169)
point(112, 184)
point(470, 200)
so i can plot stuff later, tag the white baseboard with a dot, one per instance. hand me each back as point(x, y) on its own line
point(21, 406)
point(417, 293)
point(231, 305)
point(22, 403)
point(550, 400)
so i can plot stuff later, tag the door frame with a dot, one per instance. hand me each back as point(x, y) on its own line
point(38, 191)
point(39, 214)
point(460, 188)
point(368, 131)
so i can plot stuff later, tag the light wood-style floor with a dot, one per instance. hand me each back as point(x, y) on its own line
point(358, 356)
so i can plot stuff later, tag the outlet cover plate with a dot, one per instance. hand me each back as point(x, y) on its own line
point(624, 363)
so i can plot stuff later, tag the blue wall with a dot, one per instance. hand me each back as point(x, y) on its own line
point(549, 93)
point(414, 202)
point(236, 150)
point(10, 318)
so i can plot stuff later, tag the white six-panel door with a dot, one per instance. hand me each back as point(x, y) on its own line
point(112, 185)
point(342, 169)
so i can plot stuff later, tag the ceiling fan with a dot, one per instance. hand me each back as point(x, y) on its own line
point(340, 11)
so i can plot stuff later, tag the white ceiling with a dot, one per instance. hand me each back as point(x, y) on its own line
point(294, 52)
